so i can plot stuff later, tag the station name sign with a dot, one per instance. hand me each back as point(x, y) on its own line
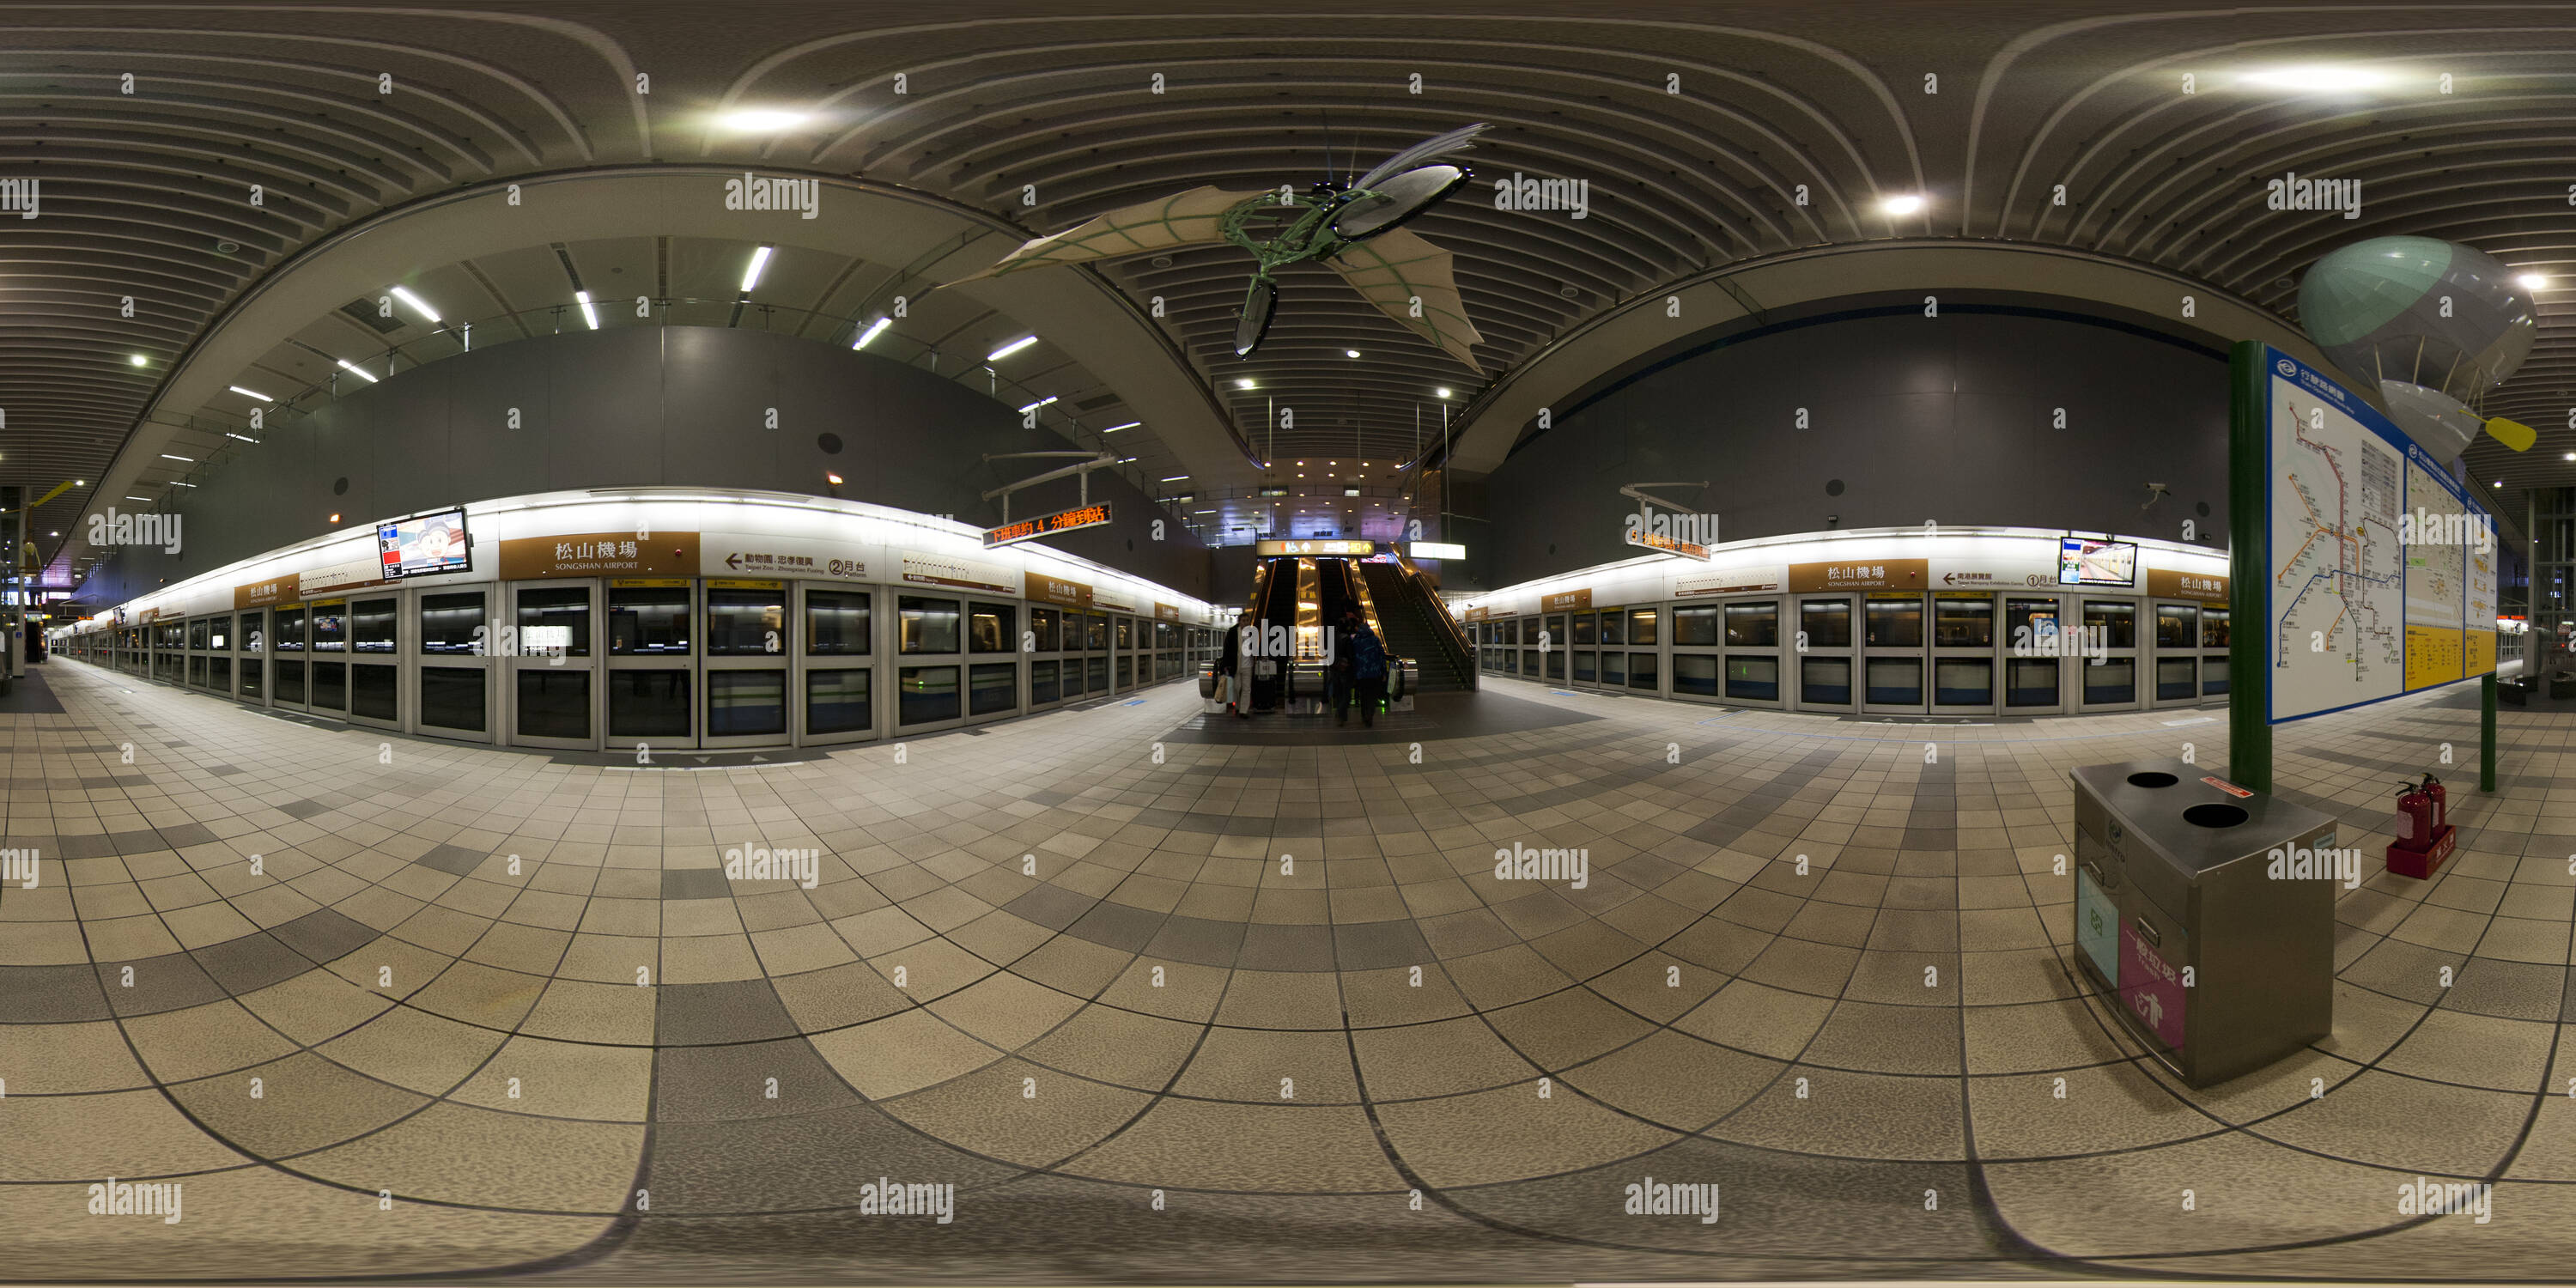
point(1089, 516)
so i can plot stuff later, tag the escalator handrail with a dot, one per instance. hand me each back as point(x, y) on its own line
point(1439, 611)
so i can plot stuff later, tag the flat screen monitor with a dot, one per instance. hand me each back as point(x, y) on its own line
point(424, 544)
point(2083, 561)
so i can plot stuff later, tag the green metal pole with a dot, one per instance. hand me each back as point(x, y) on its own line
point(2486, 732)
point(2249, 666)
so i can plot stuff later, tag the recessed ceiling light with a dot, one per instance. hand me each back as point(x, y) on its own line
point(1352, 352)
point(833, 479)
point(760, 120)
point(1901, 204)
point(252, 393)
point(355, 369)
point(1129, 425)
point(1244, 383)
point(2531, 281)
point(2317, 78)
point(416, 304)
point(138, 360)
point(751, 273)
point(1443, 392)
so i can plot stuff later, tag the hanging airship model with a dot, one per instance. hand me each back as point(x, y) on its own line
point(2432, 326)
point(1356, 231)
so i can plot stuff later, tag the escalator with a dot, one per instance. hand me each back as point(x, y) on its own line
point(1414, 624)
point(1296, 605)
point(1273, 608)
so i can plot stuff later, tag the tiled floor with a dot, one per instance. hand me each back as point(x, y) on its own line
point(1189, 1011)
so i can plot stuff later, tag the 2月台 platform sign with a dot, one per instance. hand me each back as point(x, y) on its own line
point(2380, 570)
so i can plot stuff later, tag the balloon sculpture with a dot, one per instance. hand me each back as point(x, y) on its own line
point(2431, 325)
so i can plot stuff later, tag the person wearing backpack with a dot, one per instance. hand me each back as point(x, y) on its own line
point(1364, 656)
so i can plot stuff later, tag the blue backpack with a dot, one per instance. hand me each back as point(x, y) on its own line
point(1368, 656)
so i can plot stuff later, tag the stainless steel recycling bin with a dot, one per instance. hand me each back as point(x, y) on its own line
point(2207, 912)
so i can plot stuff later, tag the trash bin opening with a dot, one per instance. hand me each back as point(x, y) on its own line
point(2151, 778)
point(2212, 814)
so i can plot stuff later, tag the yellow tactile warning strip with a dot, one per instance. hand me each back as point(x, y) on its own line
point(1063, 1003)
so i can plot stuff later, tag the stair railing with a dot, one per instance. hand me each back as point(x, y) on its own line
point(1466, 652)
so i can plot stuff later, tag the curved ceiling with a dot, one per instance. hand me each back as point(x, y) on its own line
point(1697, 128)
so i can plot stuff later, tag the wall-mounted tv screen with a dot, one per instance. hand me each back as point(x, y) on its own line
point(424, 544)
point(2083, 561)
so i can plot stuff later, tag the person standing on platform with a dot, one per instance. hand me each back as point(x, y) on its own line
point(1358, 664)
point(1229, 663)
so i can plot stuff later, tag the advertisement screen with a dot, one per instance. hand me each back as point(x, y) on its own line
point(424, 544)
point(2082, 561)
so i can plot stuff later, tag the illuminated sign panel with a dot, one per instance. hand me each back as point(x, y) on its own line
point(1089, 516)
point(1436, 550)
point(1658, 541)
point(1272, 549)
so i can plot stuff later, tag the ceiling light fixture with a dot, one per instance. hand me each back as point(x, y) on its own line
point(138, 359)
point(1443, 392)
point(1901, 205)
point(2531, 281)
point(1129, 425)
point(349, 366)
point(1035, 405)
point(875, 329)
point(751, 274)
point(168, 457)
point(588, 314)
point(1176, 478)
point(833, 479)
point(1244, 383)
point(1013, 347)
point(252, 393)
point(1352, 352)
point(760, 120)
point(416, 304)
point(2317, 79)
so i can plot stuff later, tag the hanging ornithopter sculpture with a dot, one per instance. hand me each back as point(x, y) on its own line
point(1354, 230)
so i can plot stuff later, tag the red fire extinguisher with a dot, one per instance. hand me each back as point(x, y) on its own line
point(2441, 802)
point(2416, 811)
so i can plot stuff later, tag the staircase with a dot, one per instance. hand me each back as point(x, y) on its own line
point(1411, 616)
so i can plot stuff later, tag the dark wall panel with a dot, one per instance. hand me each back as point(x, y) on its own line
point(638, 406)
point(1948, 419)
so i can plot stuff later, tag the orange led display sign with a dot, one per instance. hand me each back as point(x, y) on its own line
point(1089, 516)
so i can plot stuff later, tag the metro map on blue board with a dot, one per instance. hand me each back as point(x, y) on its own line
point(2356, 613)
